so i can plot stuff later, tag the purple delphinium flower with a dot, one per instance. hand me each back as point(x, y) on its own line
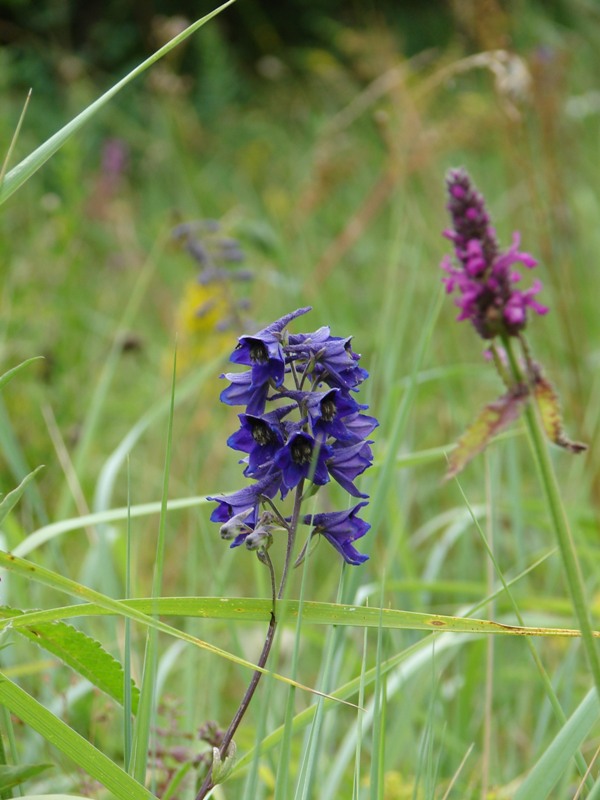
point(301, 457)
point(260, 437)
point(330, 358)
point(341, 528)
point(320, 433)
point(347, 462)
point(249, 497)
point(328, 411)
point(484, 277)
point(242, 391)
point(264, 352)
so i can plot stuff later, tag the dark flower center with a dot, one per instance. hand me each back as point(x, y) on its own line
point(259, 353)
point(301, 451)
point(328, 409)
point(262, 434)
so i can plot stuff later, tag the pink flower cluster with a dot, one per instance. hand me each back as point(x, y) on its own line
point(484, 275)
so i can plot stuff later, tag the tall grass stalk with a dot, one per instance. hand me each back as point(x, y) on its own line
point(560, 523)
point(545, 678)
point(146, 716)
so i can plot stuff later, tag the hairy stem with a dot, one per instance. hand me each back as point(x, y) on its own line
point(208, 783)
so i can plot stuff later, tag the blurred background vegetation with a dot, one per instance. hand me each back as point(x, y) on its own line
point(317, 134)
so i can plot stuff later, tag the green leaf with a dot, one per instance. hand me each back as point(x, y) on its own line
point(60, 735)
point(11, 775)
point(491, 421)
point(80, 652)
point(12, 498)
point(30, 165)
point(549, 407)
point(259, 610)
point(556, 758)
point(8, 376)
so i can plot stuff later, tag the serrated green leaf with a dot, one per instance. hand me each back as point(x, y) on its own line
point(10, 374)
point(84, 655)
point(12, 498)
point(13, 775)
point(489, 423)
point(549, 407)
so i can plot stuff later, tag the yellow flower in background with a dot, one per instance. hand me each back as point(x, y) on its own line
point(210, 309)
point(198, 323)
point(396, 787)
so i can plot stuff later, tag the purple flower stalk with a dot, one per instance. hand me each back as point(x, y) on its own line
point(301, 426)
point(483, 273)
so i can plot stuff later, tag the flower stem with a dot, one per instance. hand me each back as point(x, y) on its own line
point(208, 783)
point(560, 523)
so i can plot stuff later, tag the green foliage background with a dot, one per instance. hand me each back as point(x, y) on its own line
point(323, 149)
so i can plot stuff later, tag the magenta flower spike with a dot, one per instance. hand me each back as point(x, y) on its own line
point(482, 273)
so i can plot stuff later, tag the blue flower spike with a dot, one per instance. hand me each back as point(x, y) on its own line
point(300, 428)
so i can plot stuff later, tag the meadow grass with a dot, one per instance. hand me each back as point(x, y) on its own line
point(334, 185)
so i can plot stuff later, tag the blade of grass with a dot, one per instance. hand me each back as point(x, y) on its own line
point(12, 498)
point(127, 698)
point(545, 678)
point(361, 704)
point(60, 735)
point(555, 760)
point(379, 703)
point(14, 139)
point(45, 576)
point(257, 610)
point(17, 176)
point(15, 457)
point(55, 529)
point(145, 718)
point(560, 522)
point(10, 374)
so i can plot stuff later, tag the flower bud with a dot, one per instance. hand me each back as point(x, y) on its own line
point(261, 538)
point(236, 525)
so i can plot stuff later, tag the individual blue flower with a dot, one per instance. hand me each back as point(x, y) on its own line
point(263, 351)
point(230, 505)
point(260, 436)
point(303, 457)
point(347, 462)
point(327, 412)
point(242, 392)
point(341, 529)
point(330, 358)
point(359, 426)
